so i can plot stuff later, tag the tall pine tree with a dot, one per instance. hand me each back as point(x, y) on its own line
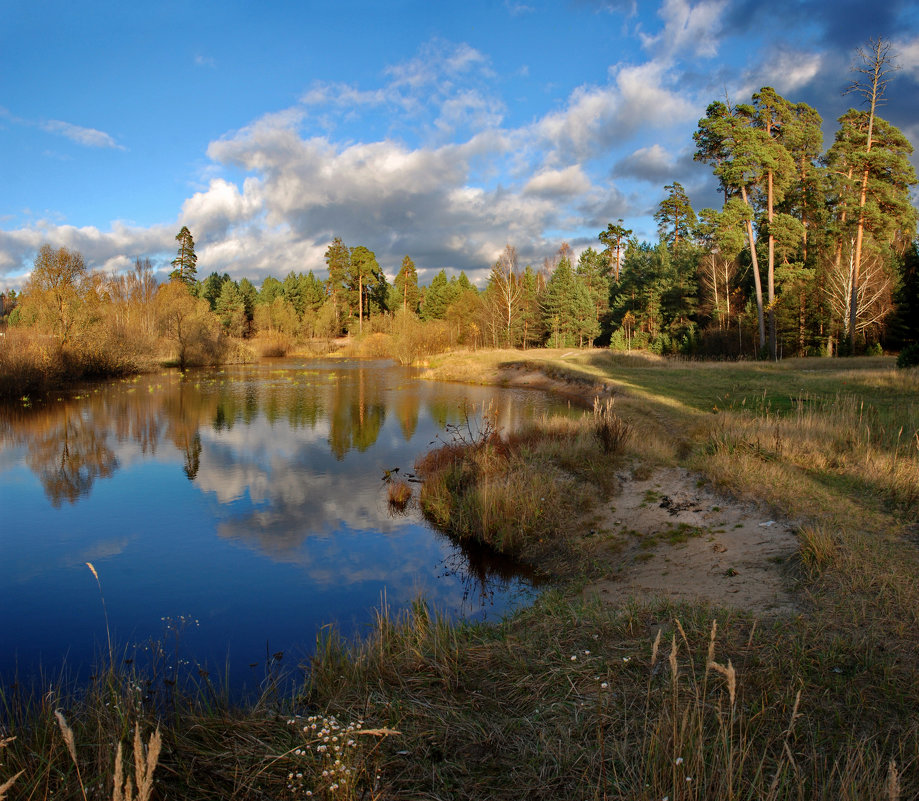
point(184, 264)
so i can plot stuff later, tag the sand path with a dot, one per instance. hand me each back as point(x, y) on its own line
point(668, 535)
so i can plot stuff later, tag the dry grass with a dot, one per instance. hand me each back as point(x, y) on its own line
point(399, 493)
point(611, 431)
point(517, 494)
point(842, 436)
point(6, 785)
point(569, 699)
point(273, 347)
point(582, 702)
point(145, 761)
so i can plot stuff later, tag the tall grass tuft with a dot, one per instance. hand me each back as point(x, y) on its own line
point(144, 765)
point(611, 431)
point(399, 493)
point(817, 549)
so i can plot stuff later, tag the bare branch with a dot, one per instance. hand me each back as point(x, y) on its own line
point(876, 63)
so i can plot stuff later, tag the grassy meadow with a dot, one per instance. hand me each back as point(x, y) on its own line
point(573, 698)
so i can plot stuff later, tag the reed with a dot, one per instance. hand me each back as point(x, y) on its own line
point(611, 431)
point(399, 494)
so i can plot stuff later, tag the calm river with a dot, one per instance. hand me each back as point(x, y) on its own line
point(230, 515)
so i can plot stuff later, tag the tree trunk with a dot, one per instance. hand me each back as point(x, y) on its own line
point(880, 59)
point(715, 287)
point(727, 295)
point(801, 320)
point(757, 281)
point(770, 277)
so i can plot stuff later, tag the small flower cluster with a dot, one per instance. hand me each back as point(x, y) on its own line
point(180, 623)
point(329, 757)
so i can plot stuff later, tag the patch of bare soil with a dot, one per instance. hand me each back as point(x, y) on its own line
point(667, 535)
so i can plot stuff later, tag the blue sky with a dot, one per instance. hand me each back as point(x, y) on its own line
point(438, 130)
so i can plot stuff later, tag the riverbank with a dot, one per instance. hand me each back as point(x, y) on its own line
point(628, 693)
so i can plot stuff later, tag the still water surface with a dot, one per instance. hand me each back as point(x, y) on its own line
point(231, 514)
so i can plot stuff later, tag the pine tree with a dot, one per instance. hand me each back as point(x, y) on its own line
point(249, 294)
point(615, 238)
point(674, 215)
point(364, 271)
point(211, 287)
point(771, 114)
point(739, 143)
point(437, 297)
point(313, 292)
point(568, 313)
point(531, 319)
point(231, 309)
point(858, 279)
point(183, 264)
point(593, 270)
point(406, 294)
point(293, 293)
point(876, 66)
point(338, 259)
point(271, 288)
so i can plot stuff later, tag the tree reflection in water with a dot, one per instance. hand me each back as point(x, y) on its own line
point(285, 507)
point(68, 454)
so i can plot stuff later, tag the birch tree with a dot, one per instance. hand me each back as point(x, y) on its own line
point(505, 289)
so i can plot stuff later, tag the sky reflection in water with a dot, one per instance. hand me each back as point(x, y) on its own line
point(248, 499)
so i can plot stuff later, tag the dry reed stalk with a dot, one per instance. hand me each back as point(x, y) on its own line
point(709, 659)
point(71, 743)
point(655, 647)
point(674, 675)
point(674, 665)
point(144, 766)
point(7, 784)
point(4, 741)
point(752, 632)
point(108, 633)
point(786, 750)
point(711, 643)
point(610, 429)
point(893, 782)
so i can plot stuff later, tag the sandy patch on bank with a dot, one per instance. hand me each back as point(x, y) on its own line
point(668, 535)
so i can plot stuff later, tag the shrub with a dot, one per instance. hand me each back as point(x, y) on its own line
point(909, 356)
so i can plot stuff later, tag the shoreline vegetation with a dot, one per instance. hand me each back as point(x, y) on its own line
point(575, 697)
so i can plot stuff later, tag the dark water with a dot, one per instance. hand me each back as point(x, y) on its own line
point(229, 515)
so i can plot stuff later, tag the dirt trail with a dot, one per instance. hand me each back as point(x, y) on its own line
point(668, 536)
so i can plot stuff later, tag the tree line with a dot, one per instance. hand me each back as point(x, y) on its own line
point(812, 252)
